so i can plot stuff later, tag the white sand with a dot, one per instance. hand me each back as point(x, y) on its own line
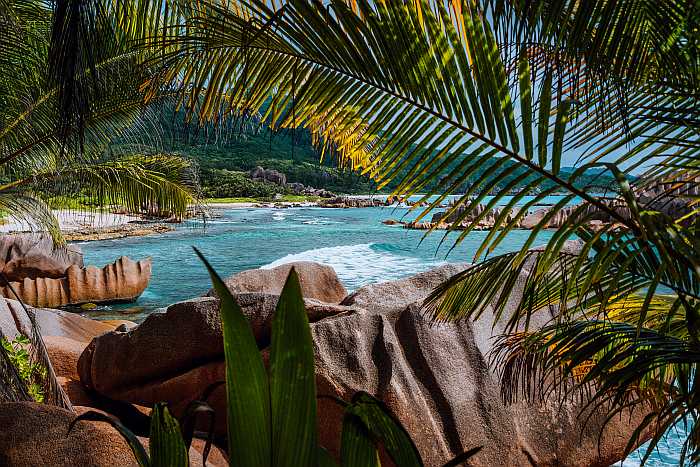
point(70, 220)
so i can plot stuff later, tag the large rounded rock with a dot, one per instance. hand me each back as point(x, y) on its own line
point(318, 281)
point(65, 336)
point(64, 354)
point(437, 380)
point(34, 255)
point(14, 320)
point(122, 281)
point(190, 331)
point(258, 174)
point(133, 366)
point(37, 434)
point(393, 296)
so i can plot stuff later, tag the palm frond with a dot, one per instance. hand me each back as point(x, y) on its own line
point(614, 365)
point(458, 97)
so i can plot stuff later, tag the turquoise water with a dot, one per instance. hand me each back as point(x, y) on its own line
point(354, 241)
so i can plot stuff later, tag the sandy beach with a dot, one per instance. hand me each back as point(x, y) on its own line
point(72, 220)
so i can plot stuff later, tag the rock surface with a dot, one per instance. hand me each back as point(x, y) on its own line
point(392, 297)
point(59, 323)
point(133, 366)
point(89, 234)
point(65, 336)
point(352, 202)
point(435, 378)
point(437, 381)
point(190, 331)
point(64, 353)
point(258, 174)
point(37, 434)
point(34, 255)
point(122, 281)
point(317, 281)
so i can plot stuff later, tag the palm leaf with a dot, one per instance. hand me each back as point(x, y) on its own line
point(166, 444)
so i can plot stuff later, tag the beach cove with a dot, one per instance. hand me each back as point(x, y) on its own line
point(354, 242)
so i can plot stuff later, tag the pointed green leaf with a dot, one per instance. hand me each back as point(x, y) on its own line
point(165, 441)
point(526, 103)
point(293, 381)
point(385, 428)
point(559, 131)
point(357, 447)
point(543, 123)
point(247, 391)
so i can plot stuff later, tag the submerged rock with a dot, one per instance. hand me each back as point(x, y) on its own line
point(435, 378)
point(122, 281)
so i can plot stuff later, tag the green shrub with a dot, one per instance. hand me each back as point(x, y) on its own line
point(31, 373)
point(222, 183)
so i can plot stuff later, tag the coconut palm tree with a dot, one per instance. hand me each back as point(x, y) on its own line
point(439, 90)
point(61, 109)
point(69, 86)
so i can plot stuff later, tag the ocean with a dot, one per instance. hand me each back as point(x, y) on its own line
point(354, 242)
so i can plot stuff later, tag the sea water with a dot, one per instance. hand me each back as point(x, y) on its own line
point(354, 242)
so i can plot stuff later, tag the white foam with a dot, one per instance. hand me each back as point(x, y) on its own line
point(318, 221)
point(357, 265)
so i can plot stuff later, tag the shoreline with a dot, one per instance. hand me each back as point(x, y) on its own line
point(78, 226)
point(85, 226)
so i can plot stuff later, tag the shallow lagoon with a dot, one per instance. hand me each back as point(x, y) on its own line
point(354, 241)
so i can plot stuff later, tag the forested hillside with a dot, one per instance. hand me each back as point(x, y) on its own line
point(226, 155)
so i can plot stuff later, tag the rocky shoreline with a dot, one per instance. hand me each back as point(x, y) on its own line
point(43, 276)
point(131, 229)
point(437, 380)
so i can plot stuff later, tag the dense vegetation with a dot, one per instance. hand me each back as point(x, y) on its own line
point(53, 144)
point(225, 156)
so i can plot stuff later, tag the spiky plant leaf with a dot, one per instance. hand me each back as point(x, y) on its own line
point(292, 380)
point(166, 445)
point(247, 388)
